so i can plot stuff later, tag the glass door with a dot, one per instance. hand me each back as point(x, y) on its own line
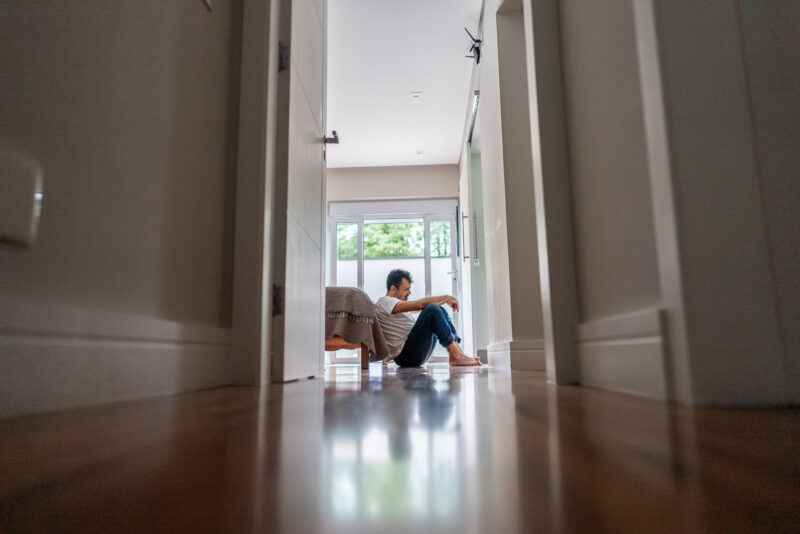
point(441, 270)
point(346, 271)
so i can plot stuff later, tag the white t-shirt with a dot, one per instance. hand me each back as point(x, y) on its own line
point(395, 326)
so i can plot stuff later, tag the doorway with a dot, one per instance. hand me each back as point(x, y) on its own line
point(369, 239)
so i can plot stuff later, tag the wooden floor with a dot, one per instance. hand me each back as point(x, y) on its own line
point(402, 450)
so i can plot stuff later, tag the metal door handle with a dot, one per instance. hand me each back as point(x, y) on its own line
point(463, 231)
point(474, 236)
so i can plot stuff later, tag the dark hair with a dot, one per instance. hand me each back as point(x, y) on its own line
point(395, 278)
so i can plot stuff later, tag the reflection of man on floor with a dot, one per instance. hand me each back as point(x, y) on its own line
point(412, 342)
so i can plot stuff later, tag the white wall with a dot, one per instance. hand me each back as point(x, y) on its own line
point(131, 109)
point(494, 204)
point(552, 191)
point(612, 207)
point(721, 180)
point(512, 269)
point(682, 135)
point(772, 52)
point(381, 183)
point(681, 129)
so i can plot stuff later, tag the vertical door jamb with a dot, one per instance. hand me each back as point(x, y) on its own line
point(248, 362)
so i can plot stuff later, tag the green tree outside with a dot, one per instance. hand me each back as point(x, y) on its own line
point(393, 240)
point(346, 246)
point(440, 238)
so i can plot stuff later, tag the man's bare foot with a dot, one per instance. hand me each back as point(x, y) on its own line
point(459, 359)
point(462, 360)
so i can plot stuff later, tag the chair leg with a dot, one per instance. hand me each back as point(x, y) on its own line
point(364, 357)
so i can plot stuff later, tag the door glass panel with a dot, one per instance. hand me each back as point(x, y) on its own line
point(440, 239)
point(347, 254)
point(394, 244)
point(442, 275)
point(441, 261)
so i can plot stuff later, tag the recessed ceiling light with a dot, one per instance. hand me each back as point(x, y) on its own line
point(419, 152)
point(415, 95)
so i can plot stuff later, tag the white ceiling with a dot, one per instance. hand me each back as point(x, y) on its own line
point(378, 52)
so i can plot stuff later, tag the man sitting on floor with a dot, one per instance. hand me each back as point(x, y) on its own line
point(412, 342)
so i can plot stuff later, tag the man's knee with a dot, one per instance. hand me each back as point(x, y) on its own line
point(435, 309)
point(431, 307)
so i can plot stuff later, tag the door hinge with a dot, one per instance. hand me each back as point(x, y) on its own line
point(283, 57)
point(277, 300)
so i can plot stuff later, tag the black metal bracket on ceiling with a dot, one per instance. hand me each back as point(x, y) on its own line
point(475, 49)
point(332, 140)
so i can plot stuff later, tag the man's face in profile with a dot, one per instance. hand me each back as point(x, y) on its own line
point(404, 290)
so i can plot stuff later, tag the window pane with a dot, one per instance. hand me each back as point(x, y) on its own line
point(346, 245)
point(347, 273)
point(392, 239)
point(346, 255)
point(440, 239)
point(377, 269)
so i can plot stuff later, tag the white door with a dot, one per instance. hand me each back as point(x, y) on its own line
point(298, 239)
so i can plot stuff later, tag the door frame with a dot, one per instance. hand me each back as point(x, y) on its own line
point(252, 296)
point(429, 210)
point(248, 362)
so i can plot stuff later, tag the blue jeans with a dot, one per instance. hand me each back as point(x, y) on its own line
point(433, 323)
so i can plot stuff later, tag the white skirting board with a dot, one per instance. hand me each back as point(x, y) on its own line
point(624, 353)
point(58, 356)
point(518, 355)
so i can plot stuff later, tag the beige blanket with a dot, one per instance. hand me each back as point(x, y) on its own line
point(350, 313)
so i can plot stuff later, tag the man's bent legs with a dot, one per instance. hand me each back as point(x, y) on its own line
point(432, 324)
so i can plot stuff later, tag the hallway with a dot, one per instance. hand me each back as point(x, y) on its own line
point(401, 450)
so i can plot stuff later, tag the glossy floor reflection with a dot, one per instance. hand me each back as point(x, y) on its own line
point(413, 450)
point(401, 450)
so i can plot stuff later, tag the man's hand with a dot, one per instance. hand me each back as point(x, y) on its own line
point(451, 301)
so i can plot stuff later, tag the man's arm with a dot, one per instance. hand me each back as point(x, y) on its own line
point(416, 305)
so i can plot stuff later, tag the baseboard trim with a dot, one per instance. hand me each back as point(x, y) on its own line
point(645, 322)
point(518, 355)
point(60, 356)
point(20, 318)
point(42, 374)
point(624, 353)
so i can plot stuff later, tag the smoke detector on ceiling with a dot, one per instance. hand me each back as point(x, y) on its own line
point(415, 95)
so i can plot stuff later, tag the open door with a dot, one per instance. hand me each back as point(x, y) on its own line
point(298, 276)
